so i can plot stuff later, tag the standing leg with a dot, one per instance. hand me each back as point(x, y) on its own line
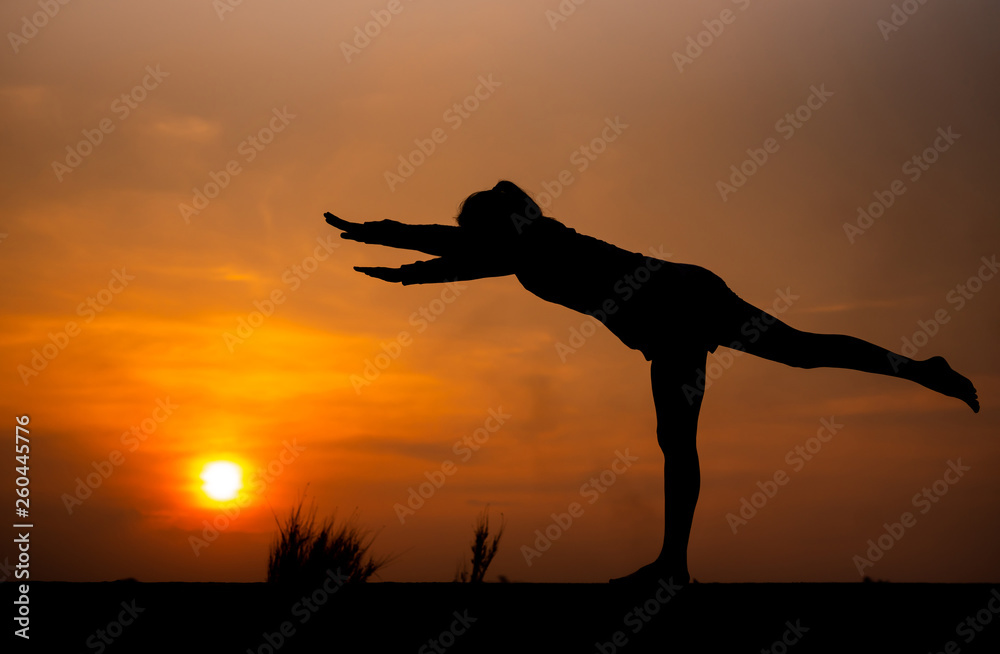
point(676, 433)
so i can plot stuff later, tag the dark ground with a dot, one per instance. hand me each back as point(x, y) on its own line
point(438, 617)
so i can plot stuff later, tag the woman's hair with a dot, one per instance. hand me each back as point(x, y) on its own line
point(501, 212)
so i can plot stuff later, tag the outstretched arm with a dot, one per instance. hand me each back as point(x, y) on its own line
point(438, 240)
point(442, 269)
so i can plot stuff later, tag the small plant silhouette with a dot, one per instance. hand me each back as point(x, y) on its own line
point(305, 551)
point(483, 549)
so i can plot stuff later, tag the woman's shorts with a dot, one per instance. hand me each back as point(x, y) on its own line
point(686, 306)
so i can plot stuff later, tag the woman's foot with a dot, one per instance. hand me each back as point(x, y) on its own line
point(654, 573)
point(937, 375)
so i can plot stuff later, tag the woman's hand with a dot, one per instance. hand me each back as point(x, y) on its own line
point(375, 232)
point(394, 275)
point(340, 223)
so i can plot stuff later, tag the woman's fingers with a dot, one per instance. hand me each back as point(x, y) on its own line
point(373, 232)
point(340, 223)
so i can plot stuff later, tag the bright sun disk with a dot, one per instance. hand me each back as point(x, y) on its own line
point(223, 480)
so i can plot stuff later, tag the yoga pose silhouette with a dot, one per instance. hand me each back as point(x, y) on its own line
point(675, 314)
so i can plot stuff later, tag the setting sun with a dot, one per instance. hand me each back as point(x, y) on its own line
point(200, 219)
point(223, 480)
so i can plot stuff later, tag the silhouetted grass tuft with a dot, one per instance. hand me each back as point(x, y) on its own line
point(483, 549)
point(306, 552)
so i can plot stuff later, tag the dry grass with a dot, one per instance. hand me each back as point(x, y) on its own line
point(483, 549)
point(305, 550)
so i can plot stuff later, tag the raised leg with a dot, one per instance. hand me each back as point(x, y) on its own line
point(676, 432)
point(776, 341)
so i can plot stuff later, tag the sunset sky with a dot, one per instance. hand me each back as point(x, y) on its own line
point(165, 170)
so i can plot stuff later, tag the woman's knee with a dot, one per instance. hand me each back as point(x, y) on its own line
point(790, 346)
point(677, 439)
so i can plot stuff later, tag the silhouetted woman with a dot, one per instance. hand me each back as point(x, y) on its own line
point(675, 314)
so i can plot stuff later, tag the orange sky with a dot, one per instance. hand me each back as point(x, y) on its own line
point(78, 222)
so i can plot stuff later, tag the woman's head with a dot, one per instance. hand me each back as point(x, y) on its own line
point(501, 212)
